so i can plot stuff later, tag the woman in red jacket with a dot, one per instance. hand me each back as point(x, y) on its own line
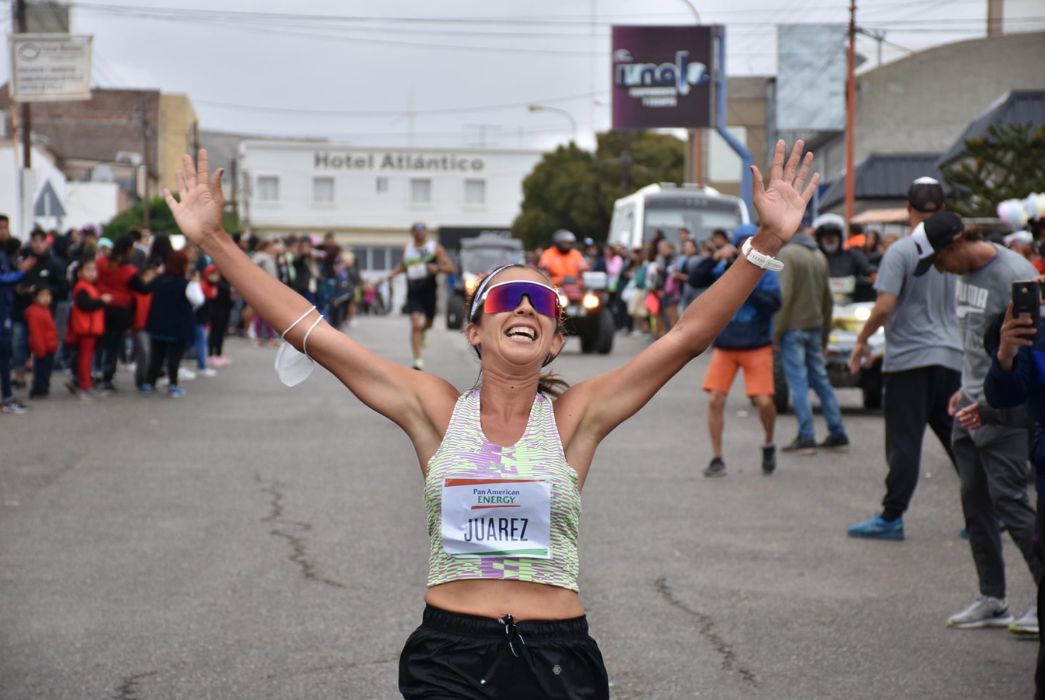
point(118, 278)
point(86, 325)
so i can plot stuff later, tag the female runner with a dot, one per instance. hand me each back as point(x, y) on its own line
point(503, 466)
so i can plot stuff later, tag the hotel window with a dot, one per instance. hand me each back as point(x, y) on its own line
point(382, 184)
point(475, 192)
point(323, 190)
point(268, 188)
point(421, 191)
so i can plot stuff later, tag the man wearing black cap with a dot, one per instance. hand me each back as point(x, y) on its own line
point(990, 446)
point(922, 365)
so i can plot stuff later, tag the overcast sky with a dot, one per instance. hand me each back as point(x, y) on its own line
point(354, 71)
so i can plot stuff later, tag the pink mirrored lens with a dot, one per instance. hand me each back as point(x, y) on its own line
point(508, 296)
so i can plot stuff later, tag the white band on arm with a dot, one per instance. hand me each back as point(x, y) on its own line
point(304, 343)
point(283, 335)
point(760, 259)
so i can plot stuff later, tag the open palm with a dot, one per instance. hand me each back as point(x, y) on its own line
point(781, 205)
point(202, 202)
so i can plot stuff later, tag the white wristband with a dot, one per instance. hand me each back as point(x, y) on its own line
point(759, 259)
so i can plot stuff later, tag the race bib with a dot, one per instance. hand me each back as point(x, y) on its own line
point(497, 518)
point(417, 270)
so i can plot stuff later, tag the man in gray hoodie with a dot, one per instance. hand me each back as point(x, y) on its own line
point(800, 331)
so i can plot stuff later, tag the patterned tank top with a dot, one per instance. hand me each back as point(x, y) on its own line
point(495, 499)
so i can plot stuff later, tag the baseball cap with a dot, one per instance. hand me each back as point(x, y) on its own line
point(744, 231)
point(925, 195)
point(933, 235)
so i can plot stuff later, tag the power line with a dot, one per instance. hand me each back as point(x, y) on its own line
point(393, 112)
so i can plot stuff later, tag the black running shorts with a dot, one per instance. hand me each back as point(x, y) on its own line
point(421, 301)
point(461, 657)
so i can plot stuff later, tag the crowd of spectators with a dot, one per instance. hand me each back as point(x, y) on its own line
point(83, 306)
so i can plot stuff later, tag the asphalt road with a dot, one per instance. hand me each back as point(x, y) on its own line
point(253, 541)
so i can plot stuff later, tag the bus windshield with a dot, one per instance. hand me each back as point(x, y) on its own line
point(699, 215)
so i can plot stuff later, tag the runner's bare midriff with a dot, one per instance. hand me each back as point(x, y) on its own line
point(493, 599)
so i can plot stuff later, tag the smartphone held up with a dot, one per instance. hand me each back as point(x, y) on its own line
point(1026, 302)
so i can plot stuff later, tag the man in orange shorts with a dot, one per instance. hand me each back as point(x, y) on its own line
point(747, 343)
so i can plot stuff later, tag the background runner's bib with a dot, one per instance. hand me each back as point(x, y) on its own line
point(496, 518)
point(416, 259)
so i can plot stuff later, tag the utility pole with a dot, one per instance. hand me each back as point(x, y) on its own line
point(146, 218)
point(693, 160)
point(850, 119)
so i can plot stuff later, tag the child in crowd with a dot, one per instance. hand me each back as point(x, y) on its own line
point(86, 326)
point(43, 341)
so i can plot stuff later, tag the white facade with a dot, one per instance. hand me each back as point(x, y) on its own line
point(369, 197)
point(78, 203)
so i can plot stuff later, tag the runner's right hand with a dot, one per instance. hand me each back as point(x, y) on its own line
point(202, 201)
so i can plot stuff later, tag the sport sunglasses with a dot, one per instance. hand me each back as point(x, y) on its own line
point(507, 296)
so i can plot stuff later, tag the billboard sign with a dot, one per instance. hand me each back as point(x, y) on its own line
point(663, 76)
point(50, 67)
point(811, 76)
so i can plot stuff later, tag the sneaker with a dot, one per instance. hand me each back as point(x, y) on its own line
point(107, 388)
point(185, 375)
point(878, 528)
point(1027, 624)
point(768, 459)
point(88, 396)
point(147, 390)
point(964, 532)
point(220, 361)
point(985, 611)
point(716, 468)
point(175, 392)
point(13, 406)
point(208, 372)
point(835, 443)
point(419, 365)
point(163, 381)
point(801, 446)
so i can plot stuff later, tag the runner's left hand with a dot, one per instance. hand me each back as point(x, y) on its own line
point(782, 204)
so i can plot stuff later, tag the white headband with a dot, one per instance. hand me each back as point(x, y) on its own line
point(482, 290)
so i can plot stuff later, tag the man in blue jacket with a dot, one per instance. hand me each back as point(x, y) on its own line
point(747, 342)
point(9, 277)
point(1017, 378)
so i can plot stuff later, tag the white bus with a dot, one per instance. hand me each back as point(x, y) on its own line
point(669, 207)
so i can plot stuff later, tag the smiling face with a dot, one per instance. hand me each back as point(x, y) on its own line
point(519, 339)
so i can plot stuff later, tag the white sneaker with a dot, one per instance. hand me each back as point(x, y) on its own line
point(164, 381)
point(208, 372)
point(985, 611)
point(185, 375)
point(1027, 625)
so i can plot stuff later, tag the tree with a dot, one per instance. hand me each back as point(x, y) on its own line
point(1007, 163)
point(574, 189)
point(161, 220)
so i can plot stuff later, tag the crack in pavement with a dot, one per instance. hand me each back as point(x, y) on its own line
point(128, 689)
point(293, 532)
point(706, 628)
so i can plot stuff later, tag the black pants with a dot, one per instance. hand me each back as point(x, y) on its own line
point(43, 365)
point(461, 657)
point(914, 399)
point(219, 328)
point(1039, 673)
point(117, 321)
point(5, 360)
point(162, 351)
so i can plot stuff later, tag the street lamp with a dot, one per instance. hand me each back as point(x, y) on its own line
point(573, 122)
